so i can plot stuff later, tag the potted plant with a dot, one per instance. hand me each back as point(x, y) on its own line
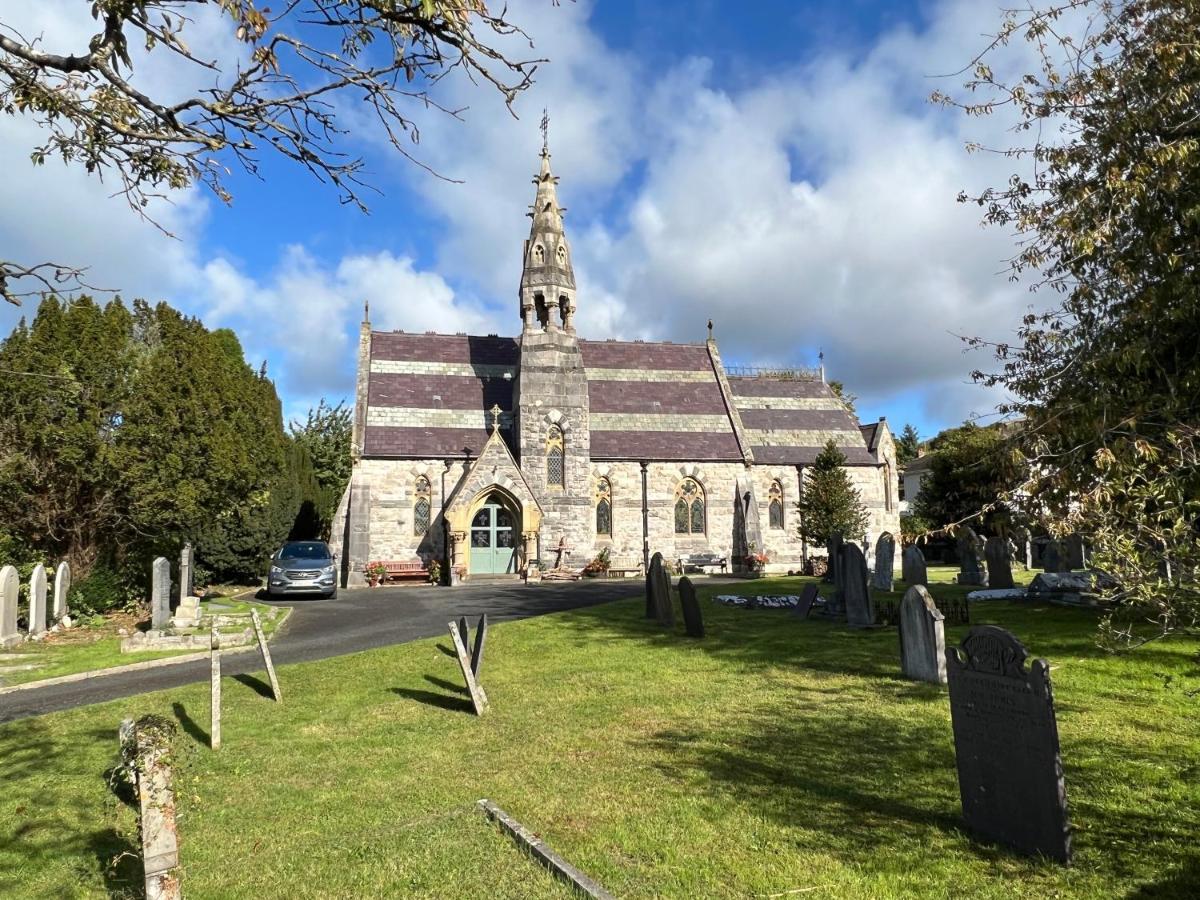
point(435, 571)
point(599, 565)
point(376, 572)
point(461, 572)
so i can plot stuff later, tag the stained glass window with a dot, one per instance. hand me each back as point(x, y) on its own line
point(603, 507)
point(775, 508)
point(421, 506)
point(555, 458)
point(689, 507)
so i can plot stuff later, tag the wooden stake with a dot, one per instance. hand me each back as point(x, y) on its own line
point(266, 655)
point(479, 699)
point(214, 652)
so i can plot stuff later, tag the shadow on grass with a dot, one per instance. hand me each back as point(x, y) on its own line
point(441, 701)
point(46, 830)
point(190, 725)
point(257, 685)
point(447, 685)
point(448, 651)
point(1179, 884)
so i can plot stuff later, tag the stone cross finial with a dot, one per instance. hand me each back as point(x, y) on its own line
point(495, 411)
point(545, 127)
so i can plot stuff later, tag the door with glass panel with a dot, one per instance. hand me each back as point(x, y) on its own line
point(493, 546)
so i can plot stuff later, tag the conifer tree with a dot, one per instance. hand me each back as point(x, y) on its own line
point(830, 504)
point(908, 447)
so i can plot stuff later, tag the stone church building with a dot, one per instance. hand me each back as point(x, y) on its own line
point(490, 454)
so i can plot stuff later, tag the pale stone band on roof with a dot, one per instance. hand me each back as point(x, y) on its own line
point(643, 375)
point(660, 422)
point(759, 437)
point(412, 417)
point(423, 367)
point(743, 401)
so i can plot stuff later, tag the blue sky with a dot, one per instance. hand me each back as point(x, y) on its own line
point(774, 166)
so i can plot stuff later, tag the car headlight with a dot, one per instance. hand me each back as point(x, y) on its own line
point(328, 570)
point(275, 570)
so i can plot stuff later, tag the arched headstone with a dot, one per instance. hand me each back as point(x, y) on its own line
point(160, 594)
point(37, 600)
point(885, 559)
point(658, 593)
point(913, 569)
point(860, 610)
point(999, 568)
point(62, 586)
point(693, 620)
point(970, 557)
point(10, 587)
point(922, 637)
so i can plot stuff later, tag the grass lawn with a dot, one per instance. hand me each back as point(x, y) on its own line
point(89, 648)
point(775, 756)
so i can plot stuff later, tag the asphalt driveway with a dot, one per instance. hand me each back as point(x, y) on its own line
point(356, 620)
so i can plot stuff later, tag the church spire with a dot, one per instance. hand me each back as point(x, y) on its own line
point(547, 277)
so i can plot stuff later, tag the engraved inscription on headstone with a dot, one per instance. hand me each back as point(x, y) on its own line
point(693, 620)
point(885, 558)
point(922, 637)
point(1010, 774)
point(808, 596)
point(913, 566)
point(999, 566)
point(860, 610)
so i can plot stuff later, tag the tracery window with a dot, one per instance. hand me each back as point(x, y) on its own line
point(689, 507)
point(539, 254)
point(421, 506)
point(556, 453)
point(775, 505)
point(561, 254)
point(604, 507)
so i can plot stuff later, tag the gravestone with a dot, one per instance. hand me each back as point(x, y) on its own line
point(160, 594)
point(62, 586)
point(922, 637)
point(480, 640)
point(693, 621)
point(37, 600)
point(836, 605)
point(1006, 744)
point(187, 572)
point(658, 593)
point(1076, 552)
point(808, 596)
point(1024, 550)
point(10, 587)
point(912, 565)
point(999, 567)
point(885, 558)
point(860, 611)
point(970, 557)
point(1054, 558)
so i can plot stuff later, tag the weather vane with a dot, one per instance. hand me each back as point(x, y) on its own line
point(545, 126)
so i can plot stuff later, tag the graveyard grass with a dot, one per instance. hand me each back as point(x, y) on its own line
point(86, 650)
point(774, 756)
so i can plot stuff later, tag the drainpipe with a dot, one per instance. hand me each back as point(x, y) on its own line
point(445, 525)
point(645, 523)
point(800, 496)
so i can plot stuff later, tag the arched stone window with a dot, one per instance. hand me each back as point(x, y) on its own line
point(888, 481)
point(556, 458)
point(539, 255)
point(561, 255)
point(421, 506)
point(689, 507)
point(775, 505)
point(604, 507)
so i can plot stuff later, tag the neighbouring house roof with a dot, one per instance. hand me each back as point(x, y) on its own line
point(920, 464)
point(428, 395)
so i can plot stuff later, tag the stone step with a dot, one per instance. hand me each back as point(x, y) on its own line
point(28, 667)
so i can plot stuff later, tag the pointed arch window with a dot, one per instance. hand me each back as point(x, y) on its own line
point(689, 507)
point(556, 458)
point(422, 507)
point(604, 507)
point(775, 505)
point(539, 254)
point(561, 255)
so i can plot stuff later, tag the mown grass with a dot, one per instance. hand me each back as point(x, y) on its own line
point(773, 756)
point(88, 649)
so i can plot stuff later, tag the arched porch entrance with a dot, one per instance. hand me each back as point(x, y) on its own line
point(495, 533)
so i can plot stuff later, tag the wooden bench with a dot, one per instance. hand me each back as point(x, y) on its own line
point(624, 567)
point(411, 569)
point(698, 562)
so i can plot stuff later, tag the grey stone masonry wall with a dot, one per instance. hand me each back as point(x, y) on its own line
point(552, 390)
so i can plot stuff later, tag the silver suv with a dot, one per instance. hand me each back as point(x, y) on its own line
point(303, 567)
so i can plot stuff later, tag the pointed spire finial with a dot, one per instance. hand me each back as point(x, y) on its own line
point(710, 337)
point(545, 127)
point(366, 310)
point(495, 411)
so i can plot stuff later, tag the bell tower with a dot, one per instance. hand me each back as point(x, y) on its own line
point(551, 397)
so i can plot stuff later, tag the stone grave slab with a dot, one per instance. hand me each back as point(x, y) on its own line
point(1010, 773)
point(999, 563)
point(970, 557)
point(62, 587)
point(160, 594)
point(37, 600)
point(885, 559)
point(10, 586)
point(922, 637)
point(693, 620)
point(860, 609)
point(808, 596)
point(912, 566)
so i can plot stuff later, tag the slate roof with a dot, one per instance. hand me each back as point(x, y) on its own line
point(870, 433)
point(428, 396)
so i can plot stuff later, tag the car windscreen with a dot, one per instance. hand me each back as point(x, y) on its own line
point(305, 550)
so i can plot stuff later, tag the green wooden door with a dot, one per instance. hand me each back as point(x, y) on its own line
point(493, 546)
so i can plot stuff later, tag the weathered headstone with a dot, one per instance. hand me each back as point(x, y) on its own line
point(146, 748)
point(922, 637)
point(187, 572)
point(693, 620)
point(214, 654)
point(62, 586)
point(479, 700)
point(187, 613)
point(160, 594)
point(970, 557)
point(860, 610)
point(885, 559)
point(1054, 557)
point(658, 593)
point(999, 566)
point(1076, 552)
point(808, 596)
point(1024, 551)
point(37, 600)
point(912, 566)
point(266, 655)
point(1010, 774)
point(477, 650)
point(10, 587)
point(836, 605)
